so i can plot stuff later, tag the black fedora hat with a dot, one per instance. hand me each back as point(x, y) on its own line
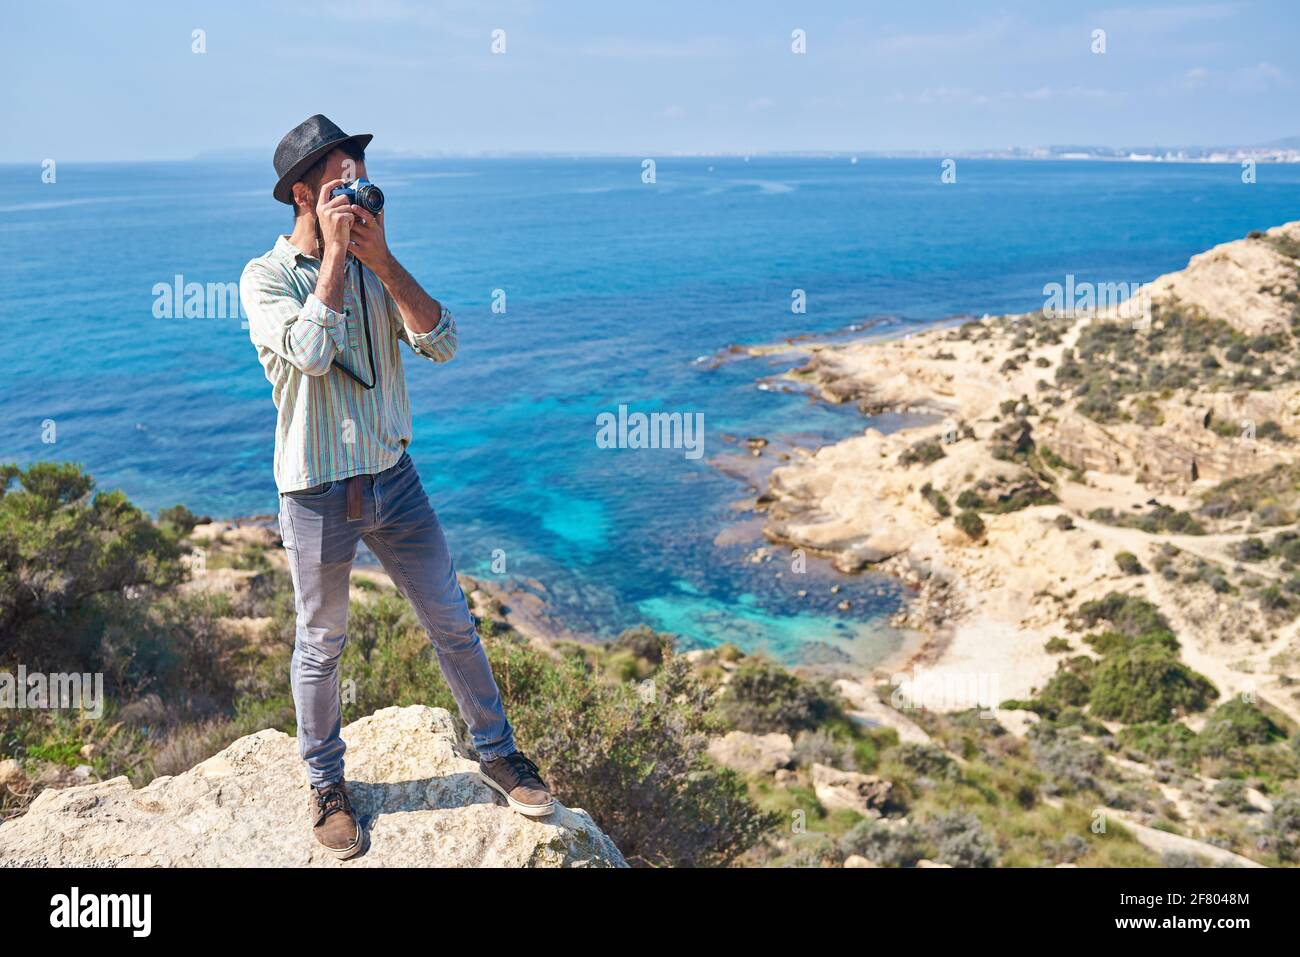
point(303, 145)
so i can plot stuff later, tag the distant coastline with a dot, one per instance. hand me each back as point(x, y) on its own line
point(1286, 150)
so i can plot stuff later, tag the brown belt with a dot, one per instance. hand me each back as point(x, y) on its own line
point(354, 488)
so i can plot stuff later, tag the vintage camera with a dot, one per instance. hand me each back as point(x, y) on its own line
point(363, 193)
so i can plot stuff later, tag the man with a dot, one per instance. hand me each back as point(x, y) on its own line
point(326, 308)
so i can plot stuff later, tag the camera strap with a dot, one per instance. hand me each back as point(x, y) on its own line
point(365, 324)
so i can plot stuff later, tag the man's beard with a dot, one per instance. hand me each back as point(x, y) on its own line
point(320, 237)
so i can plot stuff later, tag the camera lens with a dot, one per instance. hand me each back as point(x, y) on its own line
point(371, 197)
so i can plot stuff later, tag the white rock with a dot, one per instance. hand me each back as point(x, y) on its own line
point(412, 784)
point(1258, 800)
point(870, 710)
point(848, 790)
point(752, 753)
point(11, 772)
point(1018, 722)
point(857, 860)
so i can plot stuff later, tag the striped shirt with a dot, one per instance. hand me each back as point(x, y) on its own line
point(328, 427)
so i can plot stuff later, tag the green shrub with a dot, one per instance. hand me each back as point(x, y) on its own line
point(1236, 724)
point(1128, 563)
point(178, 647)
point(810, 850)
point(1162, 519)
point(820, 746)
point(936, 499)
point(887, 846)
point(379, 621)
point(1265, 342)
point(1072, 763)
point(1161, 741)
point(1231, 793)
point(764, 697)
point(62, 548)
point(1110, 641)
point(1273, 432)
point(1273, 488)
point(1250, 550)
point(971, 524)
point(924, 452)
point(181, 519)
point(1147, 683)
point(637, 764)
point(1284, 827)
point(927, 761)
point(1273, 598)
point(1068, 687)
point(1131, 616)
point(961, 840)
point(645, 644)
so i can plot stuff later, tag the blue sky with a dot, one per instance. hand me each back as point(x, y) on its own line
point(106, 81)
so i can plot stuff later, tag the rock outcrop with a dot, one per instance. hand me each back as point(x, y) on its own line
point(752, 753)
point(413, 784)
point(1242, 281)
point(864, 794)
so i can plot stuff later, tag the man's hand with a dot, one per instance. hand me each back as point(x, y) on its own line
point(369, 242)
point(420, 311)
point(335, 219)
point(335, 216)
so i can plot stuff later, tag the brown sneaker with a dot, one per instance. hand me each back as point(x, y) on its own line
point(335, 826)
point(517, 779)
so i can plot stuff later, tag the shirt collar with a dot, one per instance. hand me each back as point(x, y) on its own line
point(288, 253)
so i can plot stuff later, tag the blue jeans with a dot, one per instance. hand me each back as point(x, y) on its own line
point(397, 524)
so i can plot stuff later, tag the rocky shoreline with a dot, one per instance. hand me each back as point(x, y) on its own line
point(1053, 458)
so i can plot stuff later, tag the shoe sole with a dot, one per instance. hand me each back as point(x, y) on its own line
point(345, 853)
point(528, 810)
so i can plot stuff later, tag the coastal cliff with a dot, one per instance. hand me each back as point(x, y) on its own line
point(1106, 451)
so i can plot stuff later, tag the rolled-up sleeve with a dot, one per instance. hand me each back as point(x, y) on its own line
point(438, 344)
point(308, 335)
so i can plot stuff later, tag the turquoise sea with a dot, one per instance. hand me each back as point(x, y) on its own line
point(615, 292)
